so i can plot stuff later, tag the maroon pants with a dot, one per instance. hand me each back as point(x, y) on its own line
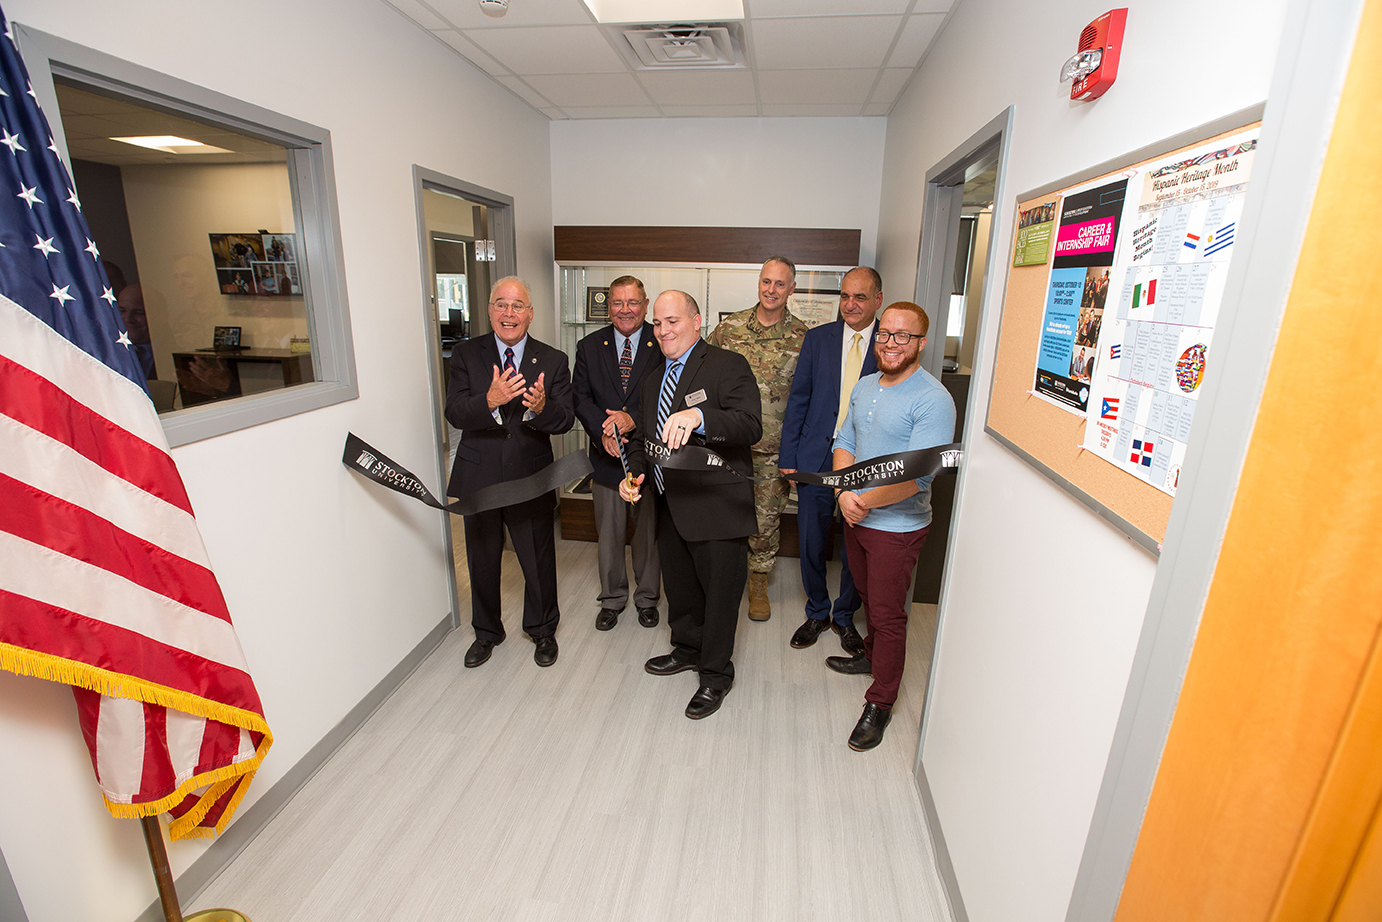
point(882, 563)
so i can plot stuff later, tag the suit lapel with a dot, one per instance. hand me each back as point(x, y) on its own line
point(834, 342)
point(609, 358)
point(648, 355)
point(688, 374)
point(870, 359)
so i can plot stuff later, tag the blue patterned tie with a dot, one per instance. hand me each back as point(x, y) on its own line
point(664, 409)
point(626, 364)
point(508, 367)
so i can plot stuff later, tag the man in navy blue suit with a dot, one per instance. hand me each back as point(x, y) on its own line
point(611, 364)
point(834, 357)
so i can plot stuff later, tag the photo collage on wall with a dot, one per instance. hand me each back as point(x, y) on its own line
point(260, 265)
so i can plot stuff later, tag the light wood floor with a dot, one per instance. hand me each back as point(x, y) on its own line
point(581, 792)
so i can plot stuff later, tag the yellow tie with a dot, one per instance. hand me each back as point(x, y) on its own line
point(853, 362)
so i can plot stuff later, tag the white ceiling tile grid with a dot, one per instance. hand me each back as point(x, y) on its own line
point(796, 58)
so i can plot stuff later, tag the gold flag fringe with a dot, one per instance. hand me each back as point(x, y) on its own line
point(117, 685)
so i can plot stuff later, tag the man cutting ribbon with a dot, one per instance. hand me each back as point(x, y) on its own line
point(706, 395)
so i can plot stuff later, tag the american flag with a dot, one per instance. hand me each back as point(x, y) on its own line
point(105, 583)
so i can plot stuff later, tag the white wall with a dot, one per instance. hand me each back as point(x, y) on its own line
point(721, 172)
point(330, 581)
point(1045, 600)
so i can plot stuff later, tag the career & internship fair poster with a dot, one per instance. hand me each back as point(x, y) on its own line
point(1086, 242)
point(1154, 344)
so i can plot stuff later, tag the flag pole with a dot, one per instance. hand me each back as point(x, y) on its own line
point(167, 890)
point(163, 875)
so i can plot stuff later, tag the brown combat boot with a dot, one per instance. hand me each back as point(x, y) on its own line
point(759, 609)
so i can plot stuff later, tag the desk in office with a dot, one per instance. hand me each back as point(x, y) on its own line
point(207, 376)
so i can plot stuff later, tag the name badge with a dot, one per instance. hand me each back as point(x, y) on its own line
point(695, 397)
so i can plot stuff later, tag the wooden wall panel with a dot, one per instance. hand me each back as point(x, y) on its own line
point(807, 246)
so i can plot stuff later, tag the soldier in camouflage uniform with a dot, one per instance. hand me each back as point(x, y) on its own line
point(770, 337)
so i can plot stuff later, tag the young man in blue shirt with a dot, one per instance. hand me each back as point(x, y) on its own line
point(901, 408)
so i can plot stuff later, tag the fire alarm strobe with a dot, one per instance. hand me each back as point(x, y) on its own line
point(494, 7)
point(1095, 66)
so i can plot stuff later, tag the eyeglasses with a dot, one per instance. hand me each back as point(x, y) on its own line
point(901, 337)
point(506, 307)
point(620, 305)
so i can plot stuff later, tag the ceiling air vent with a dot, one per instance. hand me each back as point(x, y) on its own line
point(661, 47)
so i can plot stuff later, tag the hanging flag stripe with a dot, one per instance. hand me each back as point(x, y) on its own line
point(76, 532)
point(115, 598)
point(42, 406)
point(45, 576)
point(30, 342)
point(51, 631)
point(56, 470)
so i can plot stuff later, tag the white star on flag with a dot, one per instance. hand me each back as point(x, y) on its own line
point(53, 146)
point(124, 339)
point(45, 246)
point(30, 90)
point(106, 294)
point(72, 197)
point(91, 248)
point(61, 293)
point(30, 196)
point(12, 142)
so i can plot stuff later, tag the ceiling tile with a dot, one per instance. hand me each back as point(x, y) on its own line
point(699, 88)
point(767, 9)
point(827, 41)
point(916, 36)
point(878, 108)
point(418, 13)
point(550, 50)
point(894, 79)
point(471, 52)
point(708, 111)
point(828, 87)
point(612, 112)
point(934, 6)
point(525, 92)
point(566, 90)
point(808, 109)
point(465, 14)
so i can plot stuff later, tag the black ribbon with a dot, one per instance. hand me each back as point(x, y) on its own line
point(898, 467)
point(372, 464)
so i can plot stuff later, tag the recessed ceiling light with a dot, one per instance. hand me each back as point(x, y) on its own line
point(171, 144)
point(666, 10)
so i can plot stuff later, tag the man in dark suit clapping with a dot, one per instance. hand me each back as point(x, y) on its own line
point(707, 396)
point(509, 394)
point(611, 365)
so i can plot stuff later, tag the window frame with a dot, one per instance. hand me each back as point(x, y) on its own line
point(312, 176)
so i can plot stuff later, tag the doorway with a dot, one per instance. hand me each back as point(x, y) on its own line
point(466, 240)
point(954, 277)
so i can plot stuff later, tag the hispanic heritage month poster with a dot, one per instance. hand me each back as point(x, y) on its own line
point(1086, 243)
point(1034, 226)
point(1155, 346)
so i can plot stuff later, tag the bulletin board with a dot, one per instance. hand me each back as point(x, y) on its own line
point(1046, 428)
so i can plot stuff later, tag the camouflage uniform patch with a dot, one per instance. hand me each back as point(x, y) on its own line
point(772, 354)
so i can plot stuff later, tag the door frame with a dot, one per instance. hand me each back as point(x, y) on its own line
point(940, 229)
point(501, 227)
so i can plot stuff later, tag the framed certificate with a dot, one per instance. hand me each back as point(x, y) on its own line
point(596, 304)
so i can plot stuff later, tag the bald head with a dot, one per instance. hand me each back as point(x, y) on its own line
point(676, 322)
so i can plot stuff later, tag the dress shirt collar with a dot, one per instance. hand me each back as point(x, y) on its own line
point(517, 348)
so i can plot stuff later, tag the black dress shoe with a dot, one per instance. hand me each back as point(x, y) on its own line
point(647, 617)
point(478, 653)
point(868, 732)
point(850, 665)
point(809, 632)
point(546, 652)
point(667, 664)
point(850, 641)
point(606, 619)
point(705, 701)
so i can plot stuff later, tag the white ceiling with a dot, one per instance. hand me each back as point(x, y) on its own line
point(803, 58)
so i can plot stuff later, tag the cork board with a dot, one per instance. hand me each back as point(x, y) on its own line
point(1046, 436)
